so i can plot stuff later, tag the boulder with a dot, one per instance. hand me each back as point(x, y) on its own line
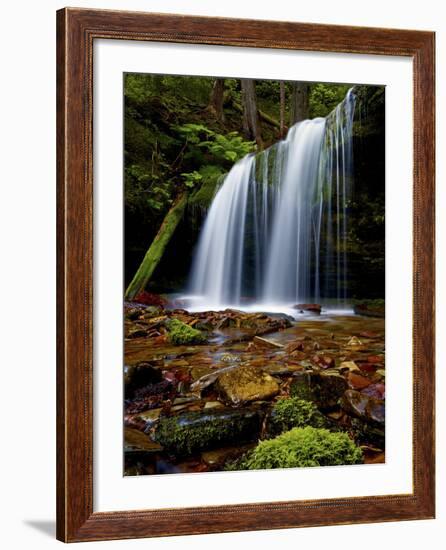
point(246, 383)
point(364, 407)
point(312, 308)
point(323, 389)
point(192, 432)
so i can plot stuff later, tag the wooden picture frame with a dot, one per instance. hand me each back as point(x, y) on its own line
point(76, 31)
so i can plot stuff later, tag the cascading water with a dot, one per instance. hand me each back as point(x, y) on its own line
point(276, 231)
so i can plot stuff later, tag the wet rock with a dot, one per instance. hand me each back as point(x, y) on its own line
point(137, 333)
point(296, 345)
point(138, 376)
point(217, 458)
point(205, 325)
point(354, 343)
point(280, 370)
point(151, 311)
point(371, 308)
point(133, 314)
point(297, 355)
point(198, 372)
point(266, 343)
point(213, 405)
point(368, 367)
point(368, 433)
point(348, 366)
point(288, 319)
point(149, 417)
point(188, 433)
point(323, 361)
point(378, 391)
point(208, 379)
point(323, 389)
point(312, 308)
point(150, 397)
point(230, 358)
point(178, 363)
point(364, 407)
point(357, 382)
point(245, 384)
point(138, 442)
point(375, 359)
point(226, 322)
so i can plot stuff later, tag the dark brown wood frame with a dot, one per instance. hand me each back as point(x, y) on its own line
point(76, 31)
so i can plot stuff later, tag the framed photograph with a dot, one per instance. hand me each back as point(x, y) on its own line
point(245, 275)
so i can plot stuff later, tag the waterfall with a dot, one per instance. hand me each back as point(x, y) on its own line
point(277, 229)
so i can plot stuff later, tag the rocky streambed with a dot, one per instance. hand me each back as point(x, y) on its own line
point(203, 389)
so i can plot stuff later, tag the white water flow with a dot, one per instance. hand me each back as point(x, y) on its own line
point(276, 231)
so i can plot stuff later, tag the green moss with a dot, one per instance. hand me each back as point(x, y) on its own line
point(211, 178)
point(180, 333)
point(197, 431)
point(299, 448)
point(294, 412)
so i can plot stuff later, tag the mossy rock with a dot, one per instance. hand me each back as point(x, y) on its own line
point(181, 334)
point(324, 390)
point(191, 432)
point(299, 448)
point(295, 413)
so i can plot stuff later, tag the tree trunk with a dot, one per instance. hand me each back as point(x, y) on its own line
point(263, 116)
point(156, 250)
point(216, 99)
point(299, 102)
point(282, 108)
point(251, 121)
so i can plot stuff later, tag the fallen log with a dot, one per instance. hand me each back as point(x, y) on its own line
point(156, 249)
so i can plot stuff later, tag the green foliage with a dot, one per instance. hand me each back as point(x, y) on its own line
point(230, 147)
point(180, 333)
point(301, 447)
point(191, 178)
point(294, 412)
point(324, 98)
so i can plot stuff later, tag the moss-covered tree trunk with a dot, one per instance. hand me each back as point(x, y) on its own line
point(156, 250)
